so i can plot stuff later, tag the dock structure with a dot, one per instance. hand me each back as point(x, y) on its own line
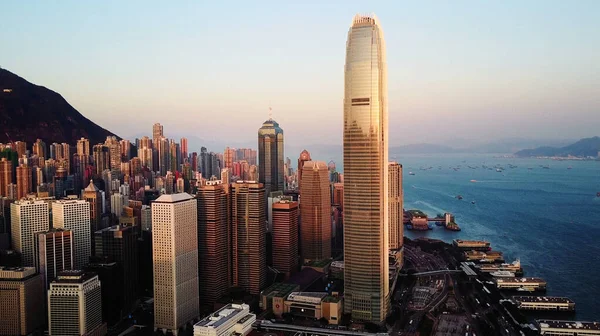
point(568, 328)
point(521, 284)
point(547, 303)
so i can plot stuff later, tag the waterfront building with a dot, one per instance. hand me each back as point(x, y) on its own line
point(120, 244)
point(175, 261)
point(232, 319)
point(75, 304)
point(21, 301)
point(315, 212)
point(304, 156)
point(285, 237)
point(213, 241)
point(248, 216)
point(270, 156)
point(568, 328)
point(74, 215)
point(28, 217)
point(396, 201)
point(54, 250)
point(366, 221)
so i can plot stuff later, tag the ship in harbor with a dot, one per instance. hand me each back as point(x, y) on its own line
point(472, 244)
point(502, 274)
point(577, 328)
point(546, 303)
point(522, 284)
point(514, 267)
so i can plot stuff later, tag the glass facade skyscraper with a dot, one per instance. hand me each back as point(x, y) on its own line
point(366, 236)
point(270, 156)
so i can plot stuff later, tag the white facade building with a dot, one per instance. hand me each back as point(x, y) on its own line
point(233, 319)
point(74, 215)
point(28, 218)
point(175, 261)
point(75, 305)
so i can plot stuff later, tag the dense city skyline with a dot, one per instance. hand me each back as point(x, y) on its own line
point(490, 70)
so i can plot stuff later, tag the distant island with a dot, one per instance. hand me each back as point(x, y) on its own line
point(583, 148)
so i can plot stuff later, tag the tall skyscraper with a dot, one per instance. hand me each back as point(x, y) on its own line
point(164, 156)
point(21, 301)
point(5, 176)
point(101, 158)
point(270, 156)
point(28, 218)
point(83, 147)
point(213, 241)
point(23, 181)
point(114, 150)
point(125, 149)
point(74, 215)
point(396, 199)
point(92, 195)
point(315, 211)
point(366, 233)
point(228, 157)
point(120, 244)
point(285, 237)
point(183, 145)
point(39, 149)
point(175, 261)
point(304, 156)
point(248, 216)
point(75, 304)
point(54, 251)
point(157, 131)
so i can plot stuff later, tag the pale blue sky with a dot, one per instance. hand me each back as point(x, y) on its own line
point(457, 69)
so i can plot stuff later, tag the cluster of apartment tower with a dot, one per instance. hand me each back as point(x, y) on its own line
point(94, 231)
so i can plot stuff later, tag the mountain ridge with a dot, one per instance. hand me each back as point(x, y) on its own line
point(583, 147)
point(29, 112)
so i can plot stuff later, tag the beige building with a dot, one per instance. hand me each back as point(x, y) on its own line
point(28, 218)
point(315, 211)
point(396, 201)
point(75, 305)
point(175, 261)
point(249, 250)
point(21, 301)
point(5, 176)
point(285, 237)
point(315, 305)
point(366, 213)
point(74, 215)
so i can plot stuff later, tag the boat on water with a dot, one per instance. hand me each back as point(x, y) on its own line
point(459, 197)
point(569, 167)
point(472, 202)
point(598, 194)
point(498, 170)
point(411, 173)
point(473, 181)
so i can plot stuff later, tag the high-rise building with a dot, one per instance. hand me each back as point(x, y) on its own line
point(21, 301)
point(213, 241)
point(285, 237)
point(83, 147)
point(75, 304)
point(54, 253)
point(117, 200)
point(164, 156)
point(101, 158)
point(315, 212)
point(366, 233)
point(270, 156)
point(21, 148)
point(157, 131)
point(248, 217)
point(396, 199)
point(74, 215)
point(28, 218)
point(92, 195)
point(23, 181)
point(120, 244)
point(338, 194)
point(228, 157)
point(304, 156)
point(5, 176)
point(114, 150)
point(39, 148)
point(183, 145)
point(175, 261)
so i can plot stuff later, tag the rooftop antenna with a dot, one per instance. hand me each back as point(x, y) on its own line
point(270, 112)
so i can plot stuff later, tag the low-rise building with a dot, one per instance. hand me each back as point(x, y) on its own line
point(315, 305)
point(273, 297)
point(233, 319)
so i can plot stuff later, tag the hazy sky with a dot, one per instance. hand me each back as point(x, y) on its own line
point(456, 69)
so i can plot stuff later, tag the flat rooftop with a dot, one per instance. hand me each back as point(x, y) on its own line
point(543, 299)
point(308, 297)
point(570, 325)
point(520, 280)
point(280, 289)
point(222, 315)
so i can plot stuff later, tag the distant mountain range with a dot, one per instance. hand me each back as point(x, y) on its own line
point(583, 147)
point(29, 112)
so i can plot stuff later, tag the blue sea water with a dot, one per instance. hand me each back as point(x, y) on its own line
point(548, 218)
